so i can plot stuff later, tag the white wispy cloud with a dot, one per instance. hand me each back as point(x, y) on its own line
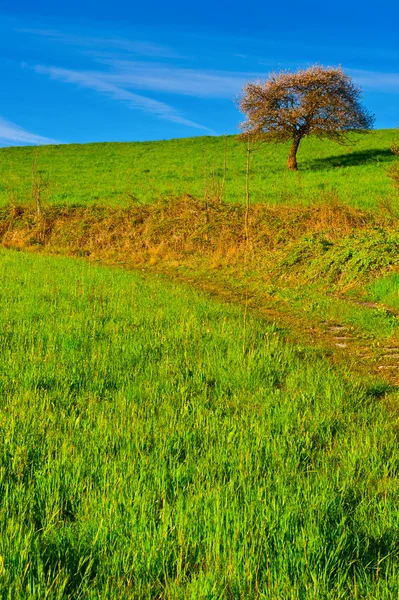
point(12, 134)
point(123, 79)
point(98, 83)
point(142, 48)
point(133, 73)
point(376, 80)
point(175, 80)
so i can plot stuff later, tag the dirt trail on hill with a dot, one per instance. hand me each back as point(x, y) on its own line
point(340, 344)
point(209, 249)
point(343, 345)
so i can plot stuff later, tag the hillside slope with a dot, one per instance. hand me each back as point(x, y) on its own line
point(119, 173)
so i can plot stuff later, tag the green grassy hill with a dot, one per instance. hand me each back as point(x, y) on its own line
point(116, 173)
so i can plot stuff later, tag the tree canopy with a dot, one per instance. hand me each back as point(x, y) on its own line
point(320, 101)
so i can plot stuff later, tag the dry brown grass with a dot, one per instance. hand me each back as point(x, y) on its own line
point(179, 230)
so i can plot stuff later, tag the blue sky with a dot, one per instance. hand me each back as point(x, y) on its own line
point(119, 71)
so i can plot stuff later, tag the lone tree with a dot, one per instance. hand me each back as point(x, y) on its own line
point(322, 101)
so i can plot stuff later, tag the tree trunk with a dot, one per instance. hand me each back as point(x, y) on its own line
point(292, 164)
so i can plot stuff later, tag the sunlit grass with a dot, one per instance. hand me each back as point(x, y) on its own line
point(386, 290)
point(157, 444)
point(119, 173)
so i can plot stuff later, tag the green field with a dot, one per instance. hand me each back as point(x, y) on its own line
point(122, 173)
point(207, 406)
point(159, 444)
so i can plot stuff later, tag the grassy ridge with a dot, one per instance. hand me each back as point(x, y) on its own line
point(117, 173)
point(156, 444)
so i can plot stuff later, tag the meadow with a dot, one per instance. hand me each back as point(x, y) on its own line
point(118, 174)
point(199, 399)
point(160, 444)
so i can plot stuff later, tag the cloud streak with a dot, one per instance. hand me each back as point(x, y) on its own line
point(114, 43)
point(12, 134)
point(175, 80)
point(99, 83)
point(124, 79)
point(376, 80)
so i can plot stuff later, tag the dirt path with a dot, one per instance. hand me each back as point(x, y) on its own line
point(340, 343)
point(210, 251)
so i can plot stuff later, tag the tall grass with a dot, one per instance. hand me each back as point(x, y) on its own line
point(148, 452)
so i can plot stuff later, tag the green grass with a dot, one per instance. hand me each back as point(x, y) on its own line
point(386, 290)
point(375, 325)
point(157, 444)
point(115, 173)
